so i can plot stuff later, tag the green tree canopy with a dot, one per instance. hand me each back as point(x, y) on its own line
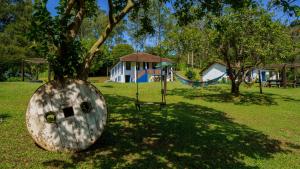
point(249, 38)
point(121, 50)
point(14, 22)
point(58, 35)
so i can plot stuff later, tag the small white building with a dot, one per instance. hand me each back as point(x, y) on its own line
point(139, 67)
point(217, 69)
point(213, 71)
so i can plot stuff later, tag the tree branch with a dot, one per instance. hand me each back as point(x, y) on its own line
point(75, 25)
point(111, 11)
point(110, 26)
point(69, 7)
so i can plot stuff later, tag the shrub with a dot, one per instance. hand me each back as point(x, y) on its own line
point(13, 79)
point(190, 74)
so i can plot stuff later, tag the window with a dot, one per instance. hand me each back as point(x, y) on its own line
point(153, 65)
point(128, 65)
point(145, 65)
point(121, 67)
point(137, 66)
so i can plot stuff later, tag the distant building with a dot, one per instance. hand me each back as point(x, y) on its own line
point(217, 69)
point(213, 71)
point(139, 67)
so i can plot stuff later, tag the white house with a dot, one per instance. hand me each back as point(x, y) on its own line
point(214, 71)
point(217, 69)
point(139, 67)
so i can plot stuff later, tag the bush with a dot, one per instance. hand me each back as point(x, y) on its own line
point(190, 74)
point(13, 79)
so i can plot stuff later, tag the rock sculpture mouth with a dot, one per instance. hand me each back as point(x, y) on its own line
point(68, 112)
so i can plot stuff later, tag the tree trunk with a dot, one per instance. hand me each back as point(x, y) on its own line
point(49, 73)
point(22, 70)
point(284, 77)
point(235, 88)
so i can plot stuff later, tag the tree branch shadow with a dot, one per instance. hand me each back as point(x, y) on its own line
point(218, 94)
point(186, 136)
point(4, 117)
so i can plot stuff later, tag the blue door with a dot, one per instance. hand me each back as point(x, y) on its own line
point(263, 76)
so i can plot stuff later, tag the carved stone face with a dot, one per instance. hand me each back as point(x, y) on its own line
point(69, 117)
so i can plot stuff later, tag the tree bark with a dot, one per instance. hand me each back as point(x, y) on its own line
point(49, 73)
point(235, 88)
point(284, 77)
point(113, 21)
point(22, 69)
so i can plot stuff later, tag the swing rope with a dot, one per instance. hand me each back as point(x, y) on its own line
point(163, 93)
point(163, 98)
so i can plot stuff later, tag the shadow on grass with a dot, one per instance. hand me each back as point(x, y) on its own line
point(186, 136)
point(3, 117)
point(107, 86)
point(218, 94)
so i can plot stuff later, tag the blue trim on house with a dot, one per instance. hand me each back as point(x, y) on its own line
point(143, 78)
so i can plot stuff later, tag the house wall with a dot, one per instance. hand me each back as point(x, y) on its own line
point(214, 71)
point(265, 74)
point(117, 73)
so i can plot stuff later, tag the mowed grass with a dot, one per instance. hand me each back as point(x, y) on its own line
point(199, 128)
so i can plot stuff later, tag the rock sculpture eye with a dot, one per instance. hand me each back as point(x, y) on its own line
point(50, 117)
point(68, 111)
point(86, 107)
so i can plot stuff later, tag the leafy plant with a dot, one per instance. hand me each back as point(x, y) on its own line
point(190, 74)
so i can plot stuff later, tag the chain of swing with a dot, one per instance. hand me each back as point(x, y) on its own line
point(163, 77)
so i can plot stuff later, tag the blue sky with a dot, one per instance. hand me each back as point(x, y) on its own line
point(279, 14)
point(53, 3)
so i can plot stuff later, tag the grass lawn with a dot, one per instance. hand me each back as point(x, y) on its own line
point(200, 128)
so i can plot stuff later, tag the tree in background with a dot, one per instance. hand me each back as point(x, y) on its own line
point(121, 50)
point(58, 36)
point(295, 33)
point(14, 46)
point(89, 32)
point(248, 38)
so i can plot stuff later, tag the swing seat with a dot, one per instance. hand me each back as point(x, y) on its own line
point(139, 103)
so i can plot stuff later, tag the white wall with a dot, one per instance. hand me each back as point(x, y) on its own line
point(267, 74)
point(214, 71)
point(117, 73)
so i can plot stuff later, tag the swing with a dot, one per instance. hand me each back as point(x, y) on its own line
point(198, 83)
point(163, 76)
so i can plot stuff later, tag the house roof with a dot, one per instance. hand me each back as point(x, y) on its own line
point(36, 60)
point(288, 65)
point(212, 63)
point(143, 57)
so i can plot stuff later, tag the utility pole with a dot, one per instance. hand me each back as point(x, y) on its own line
point(188, 62)
point(22, 70)
point(259, 78)
point(192, 59)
